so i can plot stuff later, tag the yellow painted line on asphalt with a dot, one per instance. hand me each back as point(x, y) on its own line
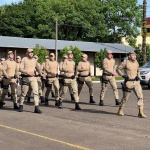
point(47, 138)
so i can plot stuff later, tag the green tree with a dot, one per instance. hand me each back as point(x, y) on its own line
point(148, 52)
point(41, 52)
point(99, 56)
point(139, 54)
point(76, 53)
point(96, 20)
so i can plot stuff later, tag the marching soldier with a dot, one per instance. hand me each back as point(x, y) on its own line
point(51, 70)
point(18, 61)
point(43, 70)
point(1, 74)
point(132, 82)
point(10, 78)
point(108, 77)
point(85, 76)
point(43, 78)
point(27, 68)
point(9, 91)
point(61, 78)
point(39, 81)
point(69, 79)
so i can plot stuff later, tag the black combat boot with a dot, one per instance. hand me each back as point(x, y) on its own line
point(101, 103)
point(91, 100)
point(12, 98)
point(60, 105)
point(72, 97)
point(37, 110)
point(56, 102)
point(53, 95)
point(8, 94)
point(16, 106)
point(2, 104)
point(42, 99)
point(117, 102)
point(77, 107)
point(46, 101)
point(20, 108)
point(28, 100)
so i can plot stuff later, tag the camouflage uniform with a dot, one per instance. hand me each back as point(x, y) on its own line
point(132, 82)
point(85, 76)
point(10, 78)
point(108, 77)
point(61, 79)
point(51, 70)
point(69, 79)
point(44, 77)
point(27, 68)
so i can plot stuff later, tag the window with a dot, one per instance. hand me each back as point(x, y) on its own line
point(148, 30)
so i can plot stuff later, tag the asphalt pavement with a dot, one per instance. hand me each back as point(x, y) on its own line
point(94, 127)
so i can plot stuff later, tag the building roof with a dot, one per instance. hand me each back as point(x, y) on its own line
point(18, 42)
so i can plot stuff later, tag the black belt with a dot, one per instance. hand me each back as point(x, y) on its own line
point(107, 74)
point(84, 76)
point(131, 80)
point(72, 77)
point(50, 76)
point(61, 76)
point(37, 76)
point(23, 75)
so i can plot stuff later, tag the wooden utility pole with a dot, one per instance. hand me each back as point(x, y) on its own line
point(144, 32)
point(56, 41)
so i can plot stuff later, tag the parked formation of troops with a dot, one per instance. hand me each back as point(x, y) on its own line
point(59, 77)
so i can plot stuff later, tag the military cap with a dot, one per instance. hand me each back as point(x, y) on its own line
point(65, 56)
point(29, 50)
point(18, 57)
point(109, 51)
point(52, 54)
point(2, 59)
point(10, 52)
point(132, 53)
point(46, 57)
point(70, 52)
point(35, 56)
point(84, 55)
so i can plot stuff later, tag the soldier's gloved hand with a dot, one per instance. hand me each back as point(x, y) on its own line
point(138, 78)
point(125, 77)
point(15, 76)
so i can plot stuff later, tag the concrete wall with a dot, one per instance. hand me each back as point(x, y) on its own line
point(138, 41)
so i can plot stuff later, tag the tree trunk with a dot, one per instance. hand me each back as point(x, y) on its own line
point(144, 32)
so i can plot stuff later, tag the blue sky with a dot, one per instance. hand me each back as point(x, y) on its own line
point(2, 2)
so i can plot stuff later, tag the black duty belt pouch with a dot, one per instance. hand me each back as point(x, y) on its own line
point(125, 88)
point(79, 81)
point(103, 80)
point(25, 81)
